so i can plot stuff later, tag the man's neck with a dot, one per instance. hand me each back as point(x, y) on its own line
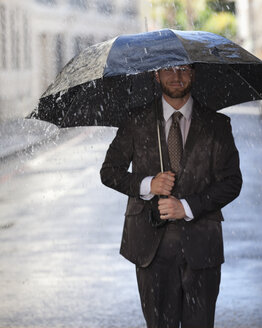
point(176, 103)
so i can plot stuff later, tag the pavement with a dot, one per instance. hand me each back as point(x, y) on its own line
point(60, 265)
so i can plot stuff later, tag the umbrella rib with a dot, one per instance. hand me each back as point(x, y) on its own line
point(243, 79)
point(157, 125)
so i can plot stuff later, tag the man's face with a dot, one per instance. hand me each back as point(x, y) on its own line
point(176, 82)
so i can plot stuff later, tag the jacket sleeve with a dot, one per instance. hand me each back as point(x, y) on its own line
point(226, 180)
point(115, 169)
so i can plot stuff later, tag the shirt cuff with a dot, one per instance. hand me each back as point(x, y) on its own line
point(145, 188)
point(189, 215)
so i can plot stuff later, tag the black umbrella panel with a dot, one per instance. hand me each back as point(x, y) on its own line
point(107, 81)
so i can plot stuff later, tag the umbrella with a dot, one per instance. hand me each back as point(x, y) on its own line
point(106, 81)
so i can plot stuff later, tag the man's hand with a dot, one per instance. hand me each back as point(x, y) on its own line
point(171, 208)
point(163, 183)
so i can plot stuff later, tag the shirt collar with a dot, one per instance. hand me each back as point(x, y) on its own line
point(186, 110)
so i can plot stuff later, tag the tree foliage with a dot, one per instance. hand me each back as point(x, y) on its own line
point(217, 16)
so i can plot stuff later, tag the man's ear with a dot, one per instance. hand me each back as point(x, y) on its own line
point(157, 76)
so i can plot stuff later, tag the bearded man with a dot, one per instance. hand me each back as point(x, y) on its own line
point(175, 240)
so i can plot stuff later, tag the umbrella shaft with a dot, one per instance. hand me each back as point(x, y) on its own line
point(159, 147)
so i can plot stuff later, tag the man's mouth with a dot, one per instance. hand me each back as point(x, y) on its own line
point(176, 84)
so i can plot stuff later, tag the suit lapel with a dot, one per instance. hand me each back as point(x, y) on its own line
point(194, 130)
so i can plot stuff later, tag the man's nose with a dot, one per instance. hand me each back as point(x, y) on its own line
point(176, 74)
point(176, 71)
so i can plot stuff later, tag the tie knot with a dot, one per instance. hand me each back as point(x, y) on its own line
point(177, 116)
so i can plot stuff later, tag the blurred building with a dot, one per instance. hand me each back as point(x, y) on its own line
point(38, 37)
point(250, 25)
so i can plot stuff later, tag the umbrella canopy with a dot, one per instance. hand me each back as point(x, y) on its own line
point(106, 81)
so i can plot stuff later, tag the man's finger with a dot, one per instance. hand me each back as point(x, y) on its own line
point(164, 216)
point(163, 183)
point(163, 186)
point(170, 173)
point(164, 192)
point(163, 202)
point(168, 177)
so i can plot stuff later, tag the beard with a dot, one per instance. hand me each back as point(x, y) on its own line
point(176, 93)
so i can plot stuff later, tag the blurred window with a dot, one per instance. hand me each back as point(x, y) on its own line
point(13, 39)
point(3, 63)
point(59, 44)
point(44, 62)
point(105, 7)
point(130, 9)
point(80, 4)
point(82, 42)
point(17, 40)
point(27, 43)
point(47, 2)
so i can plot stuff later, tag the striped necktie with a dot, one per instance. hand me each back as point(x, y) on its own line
point(174, 142)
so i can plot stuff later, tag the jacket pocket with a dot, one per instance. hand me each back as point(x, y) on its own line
point(134, 206)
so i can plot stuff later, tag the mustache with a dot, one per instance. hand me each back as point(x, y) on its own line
point(176, 93)
point(176, 82)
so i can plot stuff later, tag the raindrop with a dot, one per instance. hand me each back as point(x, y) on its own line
point(58, 99)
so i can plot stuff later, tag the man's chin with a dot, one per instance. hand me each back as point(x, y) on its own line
point(177, 94)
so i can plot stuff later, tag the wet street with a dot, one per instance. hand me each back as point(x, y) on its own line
point(60, 231)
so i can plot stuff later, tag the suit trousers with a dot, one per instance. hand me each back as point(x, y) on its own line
point(174, 295)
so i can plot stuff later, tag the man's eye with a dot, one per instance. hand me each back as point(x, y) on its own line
point(176, 69)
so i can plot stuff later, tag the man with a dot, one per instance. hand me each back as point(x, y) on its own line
point(178, 263)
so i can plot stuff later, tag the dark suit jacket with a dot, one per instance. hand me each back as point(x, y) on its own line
point(209, 179)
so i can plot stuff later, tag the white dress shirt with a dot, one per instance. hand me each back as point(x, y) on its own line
point(184, 123)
